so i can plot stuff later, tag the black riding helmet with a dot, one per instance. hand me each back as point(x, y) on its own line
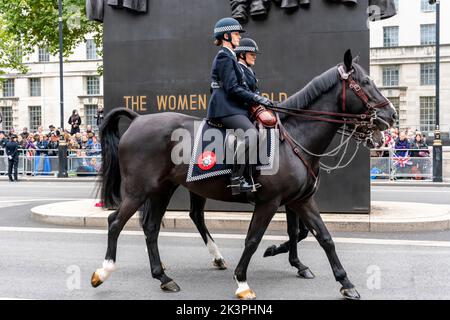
point(227, 26)
point(247, 45)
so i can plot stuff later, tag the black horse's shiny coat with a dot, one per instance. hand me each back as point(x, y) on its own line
point(143, 158)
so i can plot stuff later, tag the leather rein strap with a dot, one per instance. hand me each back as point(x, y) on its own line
point(347, 118)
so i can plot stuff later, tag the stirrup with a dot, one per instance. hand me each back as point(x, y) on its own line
point(240, 185)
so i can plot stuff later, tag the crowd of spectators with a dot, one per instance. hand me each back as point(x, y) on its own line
point(42, 143)
point(408, 152)
point(403, 143)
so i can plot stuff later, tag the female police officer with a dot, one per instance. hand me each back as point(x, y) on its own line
point(231, 97)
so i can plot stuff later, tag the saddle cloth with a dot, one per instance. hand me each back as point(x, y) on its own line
point(205, 164)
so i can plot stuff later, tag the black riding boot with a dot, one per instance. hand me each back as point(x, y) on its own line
point(239, 9)
point(239, 183)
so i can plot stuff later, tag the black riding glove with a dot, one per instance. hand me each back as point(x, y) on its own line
point(264, 101)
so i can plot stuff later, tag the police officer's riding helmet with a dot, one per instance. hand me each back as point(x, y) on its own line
point(246, 45)
point(14, 136)
point(226, 26)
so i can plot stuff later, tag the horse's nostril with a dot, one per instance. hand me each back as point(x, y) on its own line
point(394, 116)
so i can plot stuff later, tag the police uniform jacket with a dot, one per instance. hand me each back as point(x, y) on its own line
point(250, 78)
point(230, 93)
point(12, 149)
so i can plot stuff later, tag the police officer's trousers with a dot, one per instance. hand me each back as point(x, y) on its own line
point(13, 165)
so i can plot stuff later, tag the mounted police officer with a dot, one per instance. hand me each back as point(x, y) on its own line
point(246, 53)
point(231, 97)
point(12, 151)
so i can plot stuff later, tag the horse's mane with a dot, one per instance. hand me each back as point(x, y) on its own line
point(313, 90)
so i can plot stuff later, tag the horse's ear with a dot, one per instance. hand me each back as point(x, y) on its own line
point(356, 59)
point(348, 60)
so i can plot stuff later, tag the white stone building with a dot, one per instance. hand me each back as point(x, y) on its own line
point(32, 99)
point(403, 63)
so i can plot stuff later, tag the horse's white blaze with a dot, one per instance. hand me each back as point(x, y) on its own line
point(213, 249)
point(107, 269)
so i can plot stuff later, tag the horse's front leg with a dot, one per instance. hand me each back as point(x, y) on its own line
point(116, 222)
point(309, 213)
point(261, 218)
point(197, 215)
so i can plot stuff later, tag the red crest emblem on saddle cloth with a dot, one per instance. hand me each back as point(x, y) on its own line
point(207, 160)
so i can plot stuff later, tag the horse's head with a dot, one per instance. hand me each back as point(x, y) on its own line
point(362, 96)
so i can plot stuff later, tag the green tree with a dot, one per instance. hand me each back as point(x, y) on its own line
point(27, 24)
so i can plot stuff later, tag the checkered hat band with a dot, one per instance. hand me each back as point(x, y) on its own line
point(251, 49)
point(228, 28)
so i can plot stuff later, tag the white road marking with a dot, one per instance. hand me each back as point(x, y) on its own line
point(389, 242)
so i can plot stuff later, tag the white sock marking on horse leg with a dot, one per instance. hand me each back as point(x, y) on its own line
point(213, 249)
point(242, 286)
point(107, 269)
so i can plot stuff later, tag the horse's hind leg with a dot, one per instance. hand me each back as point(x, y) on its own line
point(197, 215)
point(116, 222)
point(311, 216)
point(295, 236)
point(154, 213)
point(300, 234)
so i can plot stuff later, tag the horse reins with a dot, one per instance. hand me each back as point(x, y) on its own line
point(364, 120)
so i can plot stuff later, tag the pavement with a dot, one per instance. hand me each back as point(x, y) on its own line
point(385, 217)
point(395, 215)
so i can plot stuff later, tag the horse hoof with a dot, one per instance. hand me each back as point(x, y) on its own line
point(170, 286)
point(270, 251)
point(220, 264)
point(306, 274)
point(248, 294)
point(95, 280)
point(350, 294)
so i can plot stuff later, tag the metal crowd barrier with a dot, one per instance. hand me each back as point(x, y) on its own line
point(45, 162)
point(393, 164)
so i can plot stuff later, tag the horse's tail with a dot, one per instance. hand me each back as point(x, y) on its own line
point(109, 138)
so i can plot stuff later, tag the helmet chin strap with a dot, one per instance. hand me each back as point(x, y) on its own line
point(230, 40)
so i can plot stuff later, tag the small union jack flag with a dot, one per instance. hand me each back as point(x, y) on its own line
point(401, 162)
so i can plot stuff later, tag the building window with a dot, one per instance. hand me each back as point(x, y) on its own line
point(90, 111)
point(91, 50)
point(44, 56)
point(35, 117)
point(8, 88)
point(391, 76)
point(427, 114)
point(427, 74)
point(425, 6)
point(427, 34)
point(396, 103)
point(390, 36)
point(35, 87)
point(7, 117)
point(93, 85)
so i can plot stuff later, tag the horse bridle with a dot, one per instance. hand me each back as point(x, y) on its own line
point(363, 124)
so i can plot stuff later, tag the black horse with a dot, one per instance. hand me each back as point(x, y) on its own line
point(135, 170)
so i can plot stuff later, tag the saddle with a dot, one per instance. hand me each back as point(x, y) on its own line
point(266, 118)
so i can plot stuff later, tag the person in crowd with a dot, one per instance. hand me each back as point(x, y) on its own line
point(420, 146)
point(25, 134)
point(75, 122)
point(12, 151)
point(99, 116)
point(402, 145)
point(3, 142)
point(42, 145)
point(53, 145)
point(94, 148)
point(53, 129)
point(89, 129)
